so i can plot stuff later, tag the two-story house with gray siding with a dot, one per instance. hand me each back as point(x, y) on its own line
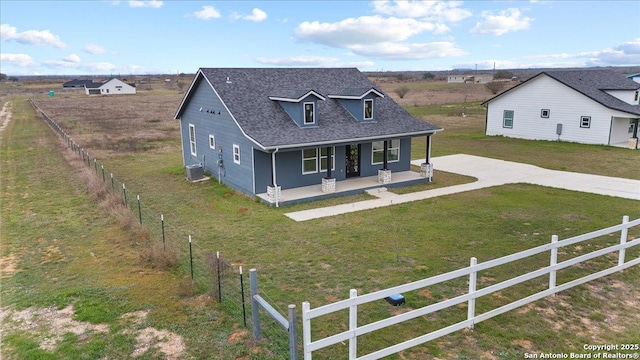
point(263, 130)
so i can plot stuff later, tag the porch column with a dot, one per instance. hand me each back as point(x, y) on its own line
point(329, 162)
point(384, 175)
point(329, 183)
point(274, 191)
point(426, 168)
point(385, 156)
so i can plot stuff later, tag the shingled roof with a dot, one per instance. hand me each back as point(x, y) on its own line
point(592, 84)
point(246, 92)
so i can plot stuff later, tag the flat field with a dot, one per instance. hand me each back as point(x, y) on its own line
point(82, 257)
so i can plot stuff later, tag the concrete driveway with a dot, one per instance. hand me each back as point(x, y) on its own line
point(489, 172)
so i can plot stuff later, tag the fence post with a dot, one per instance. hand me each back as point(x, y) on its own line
point(113, 186)
point(623, 240)
point(164, 246)
point(306, 330)
point(244, 309)
point(103, 178)
point(124, 195)
point(139, 209)
point(255, 312)
point(471, 309)
point(95, 164)
point(353, 324)
point(191, 257)
point(219, 276)
point(552, 262)
point(293, 333)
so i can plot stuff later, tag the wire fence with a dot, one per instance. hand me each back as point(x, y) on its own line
point(207, 270)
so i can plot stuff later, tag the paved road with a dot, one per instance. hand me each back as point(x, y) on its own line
point(489, 172)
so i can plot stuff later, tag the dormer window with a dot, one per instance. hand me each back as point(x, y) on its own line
point(309, 113)
point(368, 109)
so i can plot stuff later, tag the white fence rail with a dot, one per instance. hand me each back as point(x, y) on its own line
point(471, 271)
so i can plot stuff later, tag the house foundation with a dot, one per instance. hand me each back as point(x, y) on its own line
point(633, 143)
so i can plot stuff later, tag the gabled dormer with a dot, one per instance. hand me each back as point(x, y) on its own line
point(359, 102)
point(300, 105)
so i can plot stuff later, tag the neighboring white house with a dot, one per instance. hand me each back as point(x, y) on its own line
point(584, 106)
point(476, 78)
point(110, 87)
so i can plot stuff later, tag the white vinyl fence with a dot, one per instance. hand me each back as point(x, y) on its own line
point(471, 271)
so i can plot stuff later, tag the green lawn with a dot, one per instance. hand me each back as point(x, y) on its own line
point(316, 261)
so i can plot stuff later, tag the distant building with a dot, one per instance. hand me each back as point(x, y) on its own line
point(466, 78)
point(110, 87)
point(75, 83)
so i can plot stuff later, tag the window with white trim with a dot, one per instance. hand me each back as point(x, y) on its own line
point(368, 109)
point(192, 138)
point(585, 121)
point(544, 113)
point(507, 119)
point(309, 161)
point(236, 154)
point(377, 151)
point(309, 113)
point(323, 158)
point(212, 142)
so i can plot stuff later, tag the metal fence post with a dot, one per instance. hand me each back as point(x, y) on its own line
point(191, 257)
point(103, 178)
point(244, 309)
point(219, 276)
point(255, 312)
point(95, 164)
point(164, 246)
point(113, 186)
point(623, 240)
point(293, 333)
point(124, 195)
point(139, 209)
point(471, 310)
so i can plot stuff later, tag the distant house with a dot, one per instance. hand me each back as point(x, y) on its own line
point(476, 78)
point(110, 87)
point(585, 106)
point(75, 83)
point(263, 130)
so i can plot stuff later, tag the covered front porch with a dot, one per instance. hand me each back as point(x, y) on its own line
point(349, 186)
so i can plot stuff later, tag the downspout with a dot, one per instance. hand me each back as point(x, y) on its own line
point(273, 175)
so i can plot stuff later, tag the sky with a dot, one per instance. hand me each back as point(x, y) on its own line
point(167, 37)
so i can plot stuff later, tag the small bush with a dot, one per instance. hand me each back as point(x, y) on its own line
point(186, 288)
point(402, 91)
point(158, 258)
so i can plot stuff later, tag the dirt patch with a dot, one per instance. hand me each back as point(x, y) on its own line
point(49, 325)
point(5, 115)
point(8, 266)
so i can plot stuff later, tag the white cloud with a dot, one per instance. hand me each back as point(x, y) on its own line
point(506, 21)
point(19, 60)
point(150, 4)
point(257, 15)
point(363, 30)
point(73, 58)
point(311, 61)
point(627, 53)
point(207, 13)
point(439, 11)
point(94, 49)
point(31, 37)
point(412, 51)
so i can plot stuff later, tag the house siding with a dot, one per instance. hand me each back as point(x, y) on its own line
point(627, 96)
point(356, 107)
point(226, 133)
point(566, 106)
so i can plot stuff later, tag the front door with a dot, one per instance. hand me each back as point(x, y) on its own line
point(353, 160)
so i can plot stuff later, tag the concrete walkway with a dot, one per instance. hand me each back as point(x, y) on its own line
point(489, 172)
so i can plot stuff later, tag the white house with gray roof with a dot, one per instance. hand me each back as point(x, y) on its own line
point(110, 87)
point(263, 130)
point(584, 106)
